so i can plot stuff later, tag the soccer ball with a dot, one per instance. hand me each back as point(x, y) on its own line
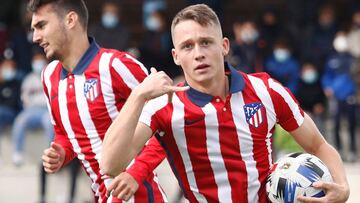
point(293, 175)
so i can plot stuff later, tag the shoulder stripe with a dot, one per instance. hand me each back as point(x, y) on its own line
point(125, 73)
point(138, 63)
point(106, 82)
point(288, 99)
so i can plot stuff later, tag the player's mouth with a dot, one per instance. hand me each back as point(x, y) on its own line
point(44, 46)
point(202, 66)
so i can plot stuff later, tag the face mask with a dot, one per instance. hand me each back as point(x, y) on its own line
point(281, 55)
point(249, 36)
point(309, 76)
point(38, 65)
point(8, 73)
point(109, 20)
point(153, 24)
point(340, 44)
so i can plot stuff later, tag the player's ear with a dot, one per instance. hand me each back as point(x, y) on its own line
point(175, 57)
point(225, 46)
point(71, 19)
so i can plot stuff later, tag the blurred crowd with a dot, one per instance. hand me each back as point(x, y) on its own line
point(310, 46)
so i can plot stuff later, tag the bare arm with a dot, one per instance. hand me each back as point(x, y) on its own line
point(309, 137)
point(126, 137)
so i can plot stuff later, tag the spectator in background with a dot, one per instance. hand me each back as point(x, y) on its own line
point(9, 92)
point(21, 42)
point(337, 83)
point(35, 113)
point(155, 49)
point(354, 50)
point(310, 94)
point(149, 6)
point(270, 30)
point(318, 38)
point(282, 66)
point(111, 32)
point(244, 53)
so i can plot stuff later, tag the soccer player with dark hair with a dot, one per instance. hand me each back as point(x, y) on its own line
point(86, 86)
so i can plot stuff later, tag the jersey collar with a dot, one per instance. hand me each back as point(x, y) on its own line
point(236, 82)
point(84, 61)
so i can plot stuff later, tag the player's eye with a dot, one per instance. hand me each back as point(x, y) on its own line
point(187, 46)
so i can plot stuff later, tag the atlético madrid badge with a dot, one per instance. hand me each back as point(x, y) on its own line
point(91, 89)
point(254, 114)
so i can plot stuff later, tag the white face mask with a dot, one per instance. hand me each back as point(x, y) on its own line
point(340, 44)
point(38, 65)
point(109, 20)
point(281, 55)
point(8, 73)
point(153, 24)
point(249, 35)
point(309, 76)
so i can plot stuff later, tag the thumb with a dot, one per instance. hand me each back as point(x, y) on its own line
point(57, 147)
point(153, 70)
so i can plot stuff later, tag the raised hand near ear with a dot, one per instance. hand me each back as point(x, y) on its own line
point(157, 84)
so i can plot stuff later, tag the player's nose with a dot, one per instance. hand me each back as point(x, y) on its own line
point(36, 37)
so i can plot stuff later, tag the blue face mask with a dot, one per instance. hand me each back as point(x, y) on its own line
point(38, 65)
point(309, 76)
point(109, 20)
point(8, 73)
point(281, 55)
point(153, 24)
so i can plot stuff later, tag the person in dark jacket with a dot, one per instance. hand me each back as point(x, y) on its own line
point(311, 95)
point(338, 84)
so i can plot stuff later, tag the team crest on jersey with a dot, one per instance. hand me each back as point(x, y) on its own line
point(91, 89)
point(254, 114)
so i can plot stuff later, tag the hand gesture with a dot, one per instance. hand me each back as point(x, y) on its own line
point(335, 193)
point(157, 84)
point(123, 186)
point(53, 158)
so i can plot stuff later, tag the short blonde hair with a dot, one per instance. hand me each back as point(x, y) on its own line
point(200, 13)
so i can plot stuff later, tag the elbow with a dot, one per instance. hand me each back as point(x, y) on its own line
point(108, 168)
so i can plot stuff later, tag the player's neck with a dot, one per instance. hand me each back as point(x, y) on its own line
point(213, 88)
point(76, 49)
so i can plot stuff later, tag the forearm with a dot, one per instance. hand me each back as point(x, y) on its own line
point(145, 163)
point(332, 160)
point(119, 137)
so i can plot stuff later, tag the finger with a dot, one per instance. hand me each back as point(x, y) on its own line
point(112, 186)
point(57, 147)
point(119, 189)
point(50, 160)
point(127, 196)
point(153, 70)
point(124, 194)
point(178, 89)
point(51, 153)
point(323, 185)
point(48, 168)
point(310, 199)
point(104, 177)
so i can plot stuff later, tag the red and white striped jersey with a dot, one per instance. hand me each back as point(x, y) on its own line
point(220, 151)
point(82, 106)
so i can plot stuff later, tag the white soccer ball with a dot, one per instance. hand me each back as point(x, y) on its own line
point(293, 175)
